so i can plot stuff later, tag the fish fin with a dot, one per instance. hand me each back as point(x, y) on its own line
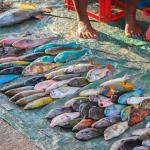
point(91, 62)
point(109, 67)
point(39, 17)
point(26, 6)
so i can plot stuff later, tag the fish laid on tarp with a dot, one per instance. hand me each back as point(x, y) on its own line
point(45, 59)
point(146, 143)
point(106, 122)
point(139, 132)
point(88, 134)
point(65, 77)
point(8, 78)
point(83, 124)
point(136, 100)
point(19, 15)
point(8, 41)
point(56, 84)
point(137, 115)
point(54, 45)
point(44, 85)
point(140, 148)
point(136, 93)
point(104, 102)
point(63, 91)
point(67, 56)
point(115, 130)
point(39, 68)
point(148, 125)
point(28, 99)
point(39, 103)
point(56, 50)
point(80, 68)
point(9, 59)
point(89, 92)
point(15, 91)
point(98, 73)
point(55, 73)
point(12, 70)
point(71, 102)
point(145, 104)
point(64, 118)
point(110, 82)
point(95, 98)
point(32, 43)
point(113, 110)
point(78, 82)
point(24, 94)
point(57, 111)
point(127, 143)
point(13, 64)
point(145, 135)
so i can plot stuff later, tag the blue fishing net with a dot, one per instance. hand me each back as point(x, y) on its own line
point(128, 56)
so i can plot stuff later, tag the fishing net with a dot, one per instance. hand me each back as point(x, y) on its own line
point(128, 56)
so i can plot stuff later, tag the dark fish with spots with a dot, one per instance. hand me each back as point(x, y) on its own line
point(145, 104)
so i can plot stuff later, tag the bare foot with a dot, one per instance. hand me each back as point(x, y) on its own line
point(86, 31)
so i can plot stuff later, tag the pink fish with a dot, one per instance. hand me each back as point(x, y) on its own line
point(105, 102)
point(44, 85)
point(9, 59)
point(8, 41)
point(32, 43)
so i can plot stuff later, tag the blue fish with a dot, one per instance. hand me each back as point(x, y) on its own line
point(70, 55)
point(52, 45)
point(45, 59)
point(136, 93)
point(8, 78)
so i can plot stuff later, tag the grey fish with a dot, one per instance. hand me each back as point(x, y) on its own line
point(88, 134)
point(65, 77)
point(78, 82)
point(126, 143)
point(96, 113)
point(18, 90)
point(57, 111)
point(146, 143)
point(16, 16)
point(24, 94)
point(27, 99)
point(106, 122)
point(77, 104)
point(148, 125)
point(145, 135)
point(12, 70)
point(139, 132)
point(141, 148)
point(95, 98)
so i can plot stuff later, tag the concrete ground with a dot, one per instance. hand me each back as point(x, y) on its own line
point(11, 139)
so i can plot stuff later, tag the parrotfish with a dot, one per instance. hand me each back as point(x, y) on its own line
point(65, 77)
point(39, 103)
point(9, 59)
point(8, 41)
point(89, 92)
point(44, 85)
point(78, 82)
point(71, 102)
point(125, 113)
point(110, 82)
point(54, 45)
point(24, 94)
point(136, 93)
point(95, 98)
point(64, 119)
point(127, 143)
point(148, 125)
point(28, 99)
point(13, 64)
point(108, 91)
point(98, 73)
point(32, 43)
point(140, 148)
point(18, 90)
point(55, 85)
point(63, 91)
point(145, 135)
point(140, 132)
point(113, 110)
point(67, 56)
point(145, 104)
point(12, 70)
point(83, 124)
point(31, 57)
point(55, 73)
point(96, 113)
point(136, 100)
point(57, 111)
point(45, 59)
point(106, 122)
point(146, 143)
point(137, 115)
point(115, 130)
point(56, 50)
point(80, 68)
point(8, 78)
point(18, 15)
point(104, 102)
point(88, 134)
point(39, 68)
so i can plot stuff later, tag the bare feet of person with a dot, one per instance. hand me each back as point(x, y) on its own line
point(86, 31)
